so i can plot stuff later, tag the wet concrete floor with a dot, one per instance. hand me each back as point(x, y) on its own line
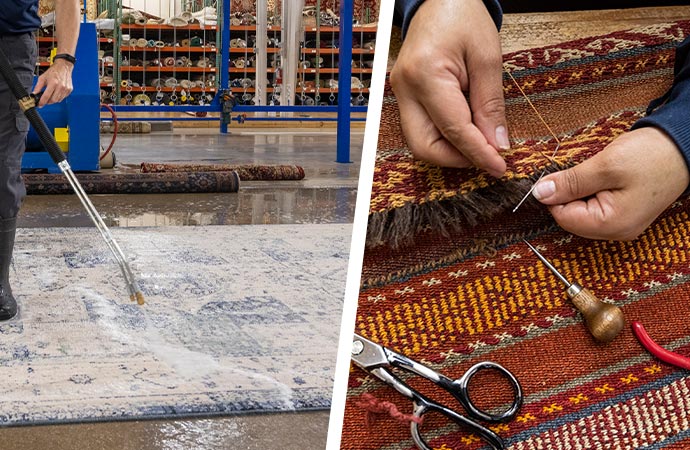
point(326, 195)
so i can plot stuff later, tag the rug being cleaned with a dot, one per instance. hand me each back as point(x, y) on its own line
point(448, 281)
point(237, 319)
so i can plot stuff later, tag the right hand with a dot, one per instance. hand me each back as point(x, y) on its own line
point(452, 46)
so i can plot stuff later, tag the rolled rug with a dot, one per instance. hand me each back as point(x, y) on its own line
point(160, 44)
point(238, 43)
point(371, 45)
point(171, 82)
point(169, 61)
point(101, 54)
point(177, 22)
point(203, 62)
point(135, 183)
point(235, 22)
point(305, 64)
point(140, 21)
point(141, 99)
point(184, 43)
point(356, 83)
point(195, 41)
point(238, 63)
point(187, 16)
point(186, 84)
point(142, 43)
point(247, 19)
point(108, 59)
point(247, 83)
point(107, 80)
point(156, 82)
point(247, 172)
point(151, 43)
point(128, 18)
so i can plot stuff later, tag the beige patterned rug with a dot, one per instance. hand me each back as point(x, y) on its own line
point(238, 319)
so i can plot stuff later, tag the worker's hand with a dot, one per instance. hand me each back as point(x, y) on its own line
point(452, 46)
point(621, 190)
point(57, 82)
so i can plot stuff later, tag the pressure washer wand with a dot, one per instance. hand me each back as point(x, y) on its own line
point(28, 105)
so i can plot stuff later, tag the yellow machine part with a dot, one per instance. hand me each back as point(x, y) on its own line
point(62, 138)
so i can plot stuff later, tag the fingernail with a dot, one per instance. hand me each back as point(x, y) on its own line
point(502, 138)
point(544, 189)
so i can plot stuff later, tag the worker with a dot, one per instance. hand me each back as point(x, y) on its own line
point(19, 22)
point(615, 195)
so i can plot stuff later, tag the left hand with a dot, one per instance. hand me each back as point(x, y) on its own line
point(621, 190)
point(57, 81)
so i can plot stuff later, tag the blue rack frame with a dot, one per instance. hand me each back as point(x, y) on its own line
point(343, 110)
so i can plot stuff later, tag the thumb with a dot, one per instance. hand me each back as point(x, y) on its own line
point(486, 100)
point(40, 84)
point(572, 184)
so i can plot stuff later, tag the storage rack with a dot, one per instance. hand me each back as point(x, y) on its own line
point(149, 45)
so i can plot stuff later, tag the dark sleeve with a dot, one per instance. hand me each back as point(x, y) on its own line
point(405, 10)
point(671, 112)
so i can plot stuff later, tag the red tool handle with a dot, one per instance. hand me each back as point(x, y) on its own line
point(657, 350)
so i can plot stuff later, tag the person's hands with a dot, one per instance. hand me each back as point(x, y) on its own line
point(452, 46)
point(621, 190)
point(57, 81)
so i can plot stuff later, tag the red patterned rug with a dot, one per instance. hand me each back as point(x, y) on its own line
point(455, 284)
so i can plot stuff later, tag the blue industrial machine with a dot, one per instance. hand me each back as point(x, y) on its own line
point(79, 114)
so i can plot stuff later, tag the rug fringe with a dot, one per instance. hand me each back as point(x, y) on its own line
point(398, 227)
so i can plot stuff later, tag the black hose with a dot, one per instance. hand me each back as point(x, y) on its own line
point(31, 113)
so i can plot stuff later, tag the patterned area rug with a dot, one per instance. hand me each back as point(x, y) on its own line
point(134, 183)
point(466, 289)
point(238, 319)
point(247, 172)
point(588, 91)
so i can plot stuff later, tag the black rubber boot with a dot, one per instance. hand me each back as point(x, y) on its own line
point(8, 305)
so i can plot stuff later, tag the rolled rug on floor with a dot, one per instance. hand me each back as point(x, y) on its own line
point(135, 183)
point(247, 172)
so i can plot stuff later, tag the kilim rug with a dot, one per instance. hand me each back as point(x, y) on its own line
point(246, 172)
point(455, 285)
point(237, 319)
point(134, 183)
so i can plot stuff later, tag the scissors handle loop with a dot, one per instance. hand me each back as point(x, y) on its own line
point(424, 405)
point(460, 390)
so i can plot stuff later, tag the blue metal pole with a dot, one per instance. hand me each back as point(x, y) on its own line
point(344, 81)
point(225, 56)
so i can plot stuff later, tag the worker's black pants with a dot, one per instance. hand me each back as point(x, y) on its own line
point(21, 52)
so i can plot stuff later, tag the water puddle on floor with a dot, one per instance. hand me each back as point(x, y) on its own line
point(249, 206)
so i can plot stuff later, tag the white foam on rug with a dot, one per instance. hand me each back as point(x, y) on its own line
point(237, 319)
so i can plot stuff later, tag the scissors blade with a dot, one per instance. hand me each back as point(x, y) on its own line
point(367, 354)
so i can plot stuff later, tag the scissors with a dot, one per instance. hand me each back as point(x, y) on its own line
point(377, 360)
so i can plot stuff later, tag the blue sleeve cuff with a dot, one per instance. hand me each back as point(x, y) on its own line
point(671, 112)
point(406, 9)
